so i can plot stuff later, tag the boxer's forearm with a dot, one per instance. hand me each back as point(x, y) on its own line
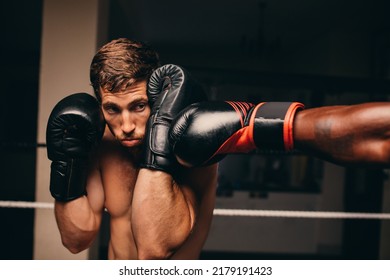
point(162, 216)
point(77, 224)
point(355, 134)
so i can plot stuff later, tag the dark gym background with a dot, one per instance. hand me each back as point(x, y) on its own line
point(256, 49)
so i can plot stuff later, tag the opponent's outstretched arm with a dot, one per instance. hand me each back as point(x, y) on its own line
point(350, 134)
point(205, 132)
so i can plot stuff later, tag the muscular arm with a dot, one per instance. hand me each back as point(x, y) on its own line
point(79, 220)
point(164, 212)
point(355, 134)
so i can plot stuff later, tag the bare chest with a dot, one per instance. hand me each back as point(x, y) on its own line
point(119, 175)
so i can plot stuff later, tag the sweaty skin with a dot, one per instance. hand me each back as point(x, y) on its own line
point(152, 214)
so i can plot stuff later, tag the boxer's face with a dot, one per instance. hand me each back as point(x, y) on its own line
point(126, 113)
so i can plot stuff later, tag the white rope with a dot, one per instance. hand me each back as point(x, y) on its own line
point(26, 204)
point(300, 214)
point(237, 212)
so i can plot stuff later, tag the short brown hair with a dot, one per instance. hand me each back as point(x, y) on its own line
point(120, 63)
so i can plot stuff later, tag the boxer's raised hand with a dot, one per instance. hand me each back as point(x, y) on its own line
point(170, 89)
point(74, 128)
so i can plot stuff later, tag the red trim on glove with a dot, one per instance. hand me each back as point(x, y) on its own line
point(242, 140)
point(239, 142)
point(288, 126)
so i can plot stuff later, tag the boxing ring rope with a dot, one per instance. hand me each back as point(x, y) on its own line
point(236, 212)
point(300, 214)
point(26, 204)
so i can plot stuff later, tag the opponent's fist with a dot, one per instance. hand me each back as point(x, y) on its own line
point(170, 89)
point(205, 132)
point(75, 126)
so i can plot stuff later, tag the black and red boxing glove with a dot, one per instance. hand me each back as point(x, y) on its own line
point(170, 89)
point(76, 125)
point(205, 132)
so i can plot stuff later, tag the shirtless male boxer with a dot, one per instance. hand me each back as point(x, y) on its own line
point(157, 209)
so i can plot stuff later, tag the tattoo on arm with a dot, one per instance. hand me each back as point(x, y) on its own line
point(330, 142)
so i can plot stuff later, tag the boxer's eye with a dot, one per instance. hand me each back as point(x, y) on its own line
point(110, 109)
point(139, 107)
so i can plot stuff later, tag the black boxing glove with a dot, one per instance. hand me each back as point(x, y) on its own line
point(170, 89)
point(205, 132)
point(75, 126)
